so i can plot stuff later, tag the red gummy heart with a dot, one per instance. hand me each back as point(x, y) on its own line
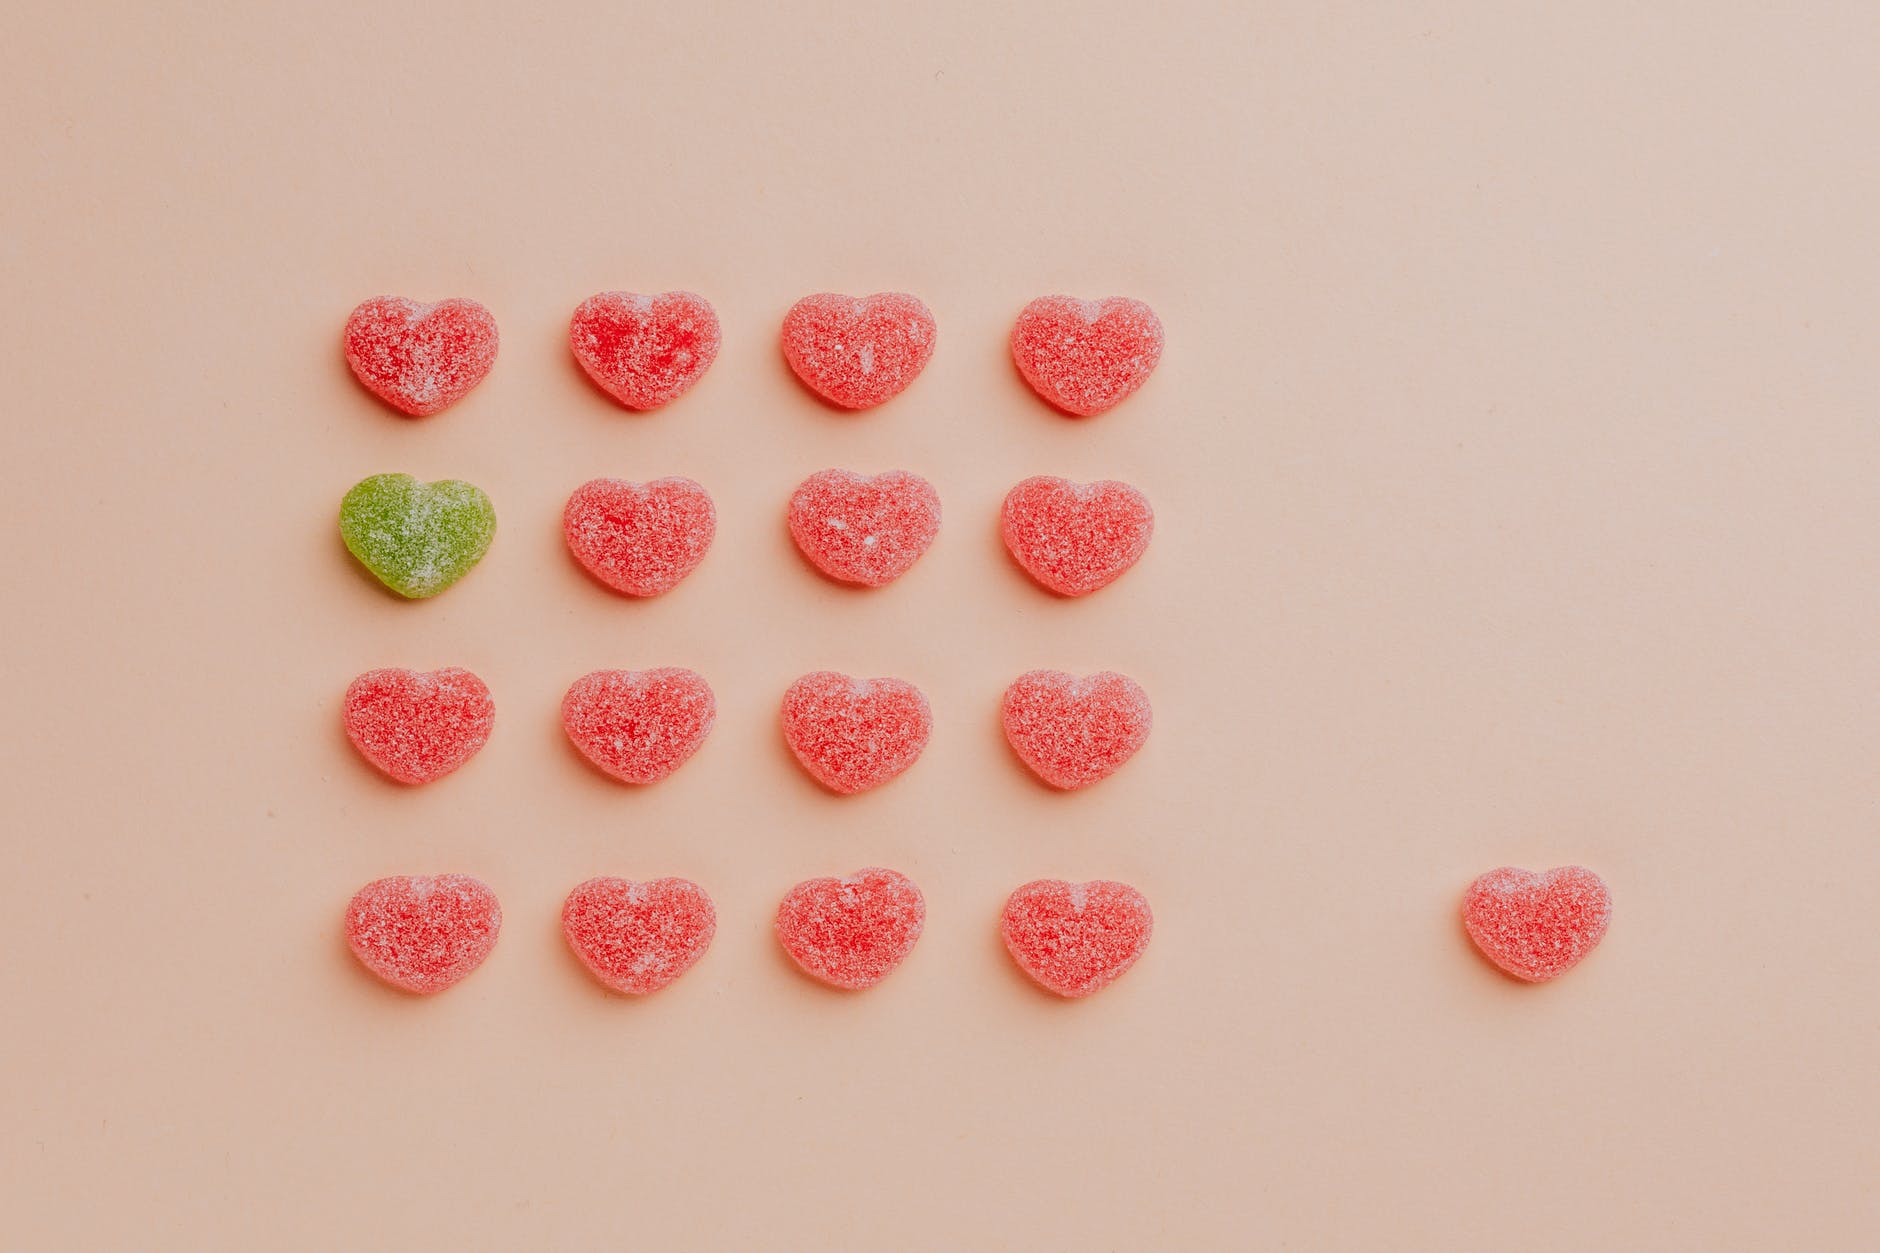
point(639, 538)
point(421, 933)
point(862, 529)
point(418, 725)
point(644, 350)
point(639, 725)
point(1086, 355)
point(638, 937)
point(1076, 937)
point(1076, 537)
point(854, 734)
point(857, 353)
point(1073, 731)
point(850, 932)
point(1537, 926)
point(420, 358)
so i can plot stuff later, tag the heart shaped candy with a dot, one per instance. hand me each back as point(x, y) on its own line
point(854, 734)
point(423, 933)
point(861, 529)
point(1076, 537)
point(1074, 938)
point(644, 350)
point(639, 538)
point(418, 538)
point(638, 937)
point(1537, 926)
point(639, 725)
point(420, 358)
point(850, 932)
point(418, 725)
point(857, 353)
point(1086, 355)
point(1073, 731)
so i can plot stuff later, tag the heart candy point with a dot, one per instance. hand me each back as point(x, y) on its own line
point(1537, 927)
point(858, 352)
point(1074, 538)
point(639, 725)
point(864, 529)
point(1084, 356)
point(418, 725)
point(423, 933)
point(851, 932)
point(638, 937)
point(640, 539)
point(420, 358)
point(1075, 938)
point(1074, 731)
point(417, 538)
point(852, 735)
point(644, 351)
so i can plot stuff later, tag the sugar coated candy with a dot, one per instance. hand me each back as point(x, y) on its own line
point(420, 358)
point(1074, 938)
point(1074, 538)
point(639, 725)
point(638, 937)
point(644, 350)
point(866, 529)
point(854, 734)
point(856, 352)
point(418, 725)
point(639, 538)
point(1074, 731)
point(418, 538)
point(423, 933)
point(850, 932)
point(1537, 926)
point(1086, 355)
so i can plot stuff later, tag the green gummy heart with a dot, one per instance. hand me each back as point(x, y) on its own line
point(419, 538)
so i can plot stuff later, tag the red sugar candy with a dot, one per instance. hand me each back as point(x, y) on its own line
point(420, 358)
point(1074, 938)
point(639, 725)
point(854, 352)
point(418, 725)
point(644, 350)
point(1076, 537)
point(861, 529)
point(1073, 731)
point(1086, 355)
point(639, 538)
point(423, 933)
point(854, 734)
point(850, 932)
point(1537, 926)
point(638, 937)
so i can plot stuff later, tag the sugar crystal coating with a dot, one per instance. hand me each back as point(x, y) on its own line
point(1074, 731)
point(417, 538)
point(644, 350)
point(420, 358)
point(418, 725)
point(854, 734)
point(851, 932)
point(1075, 938)
point(1537, 926)
point(639, 725)
point(423, 933)
point(866, 529)
point(638, 937)
point(1074, 538)
point(1086, 355)
point(857, 352)
point(639, 538)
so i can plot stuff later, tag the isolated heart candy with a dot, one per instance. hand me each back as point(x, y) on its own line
point(1537, 926)
point(638, 937)
point(854, 352)
point(639, 538)
point(420, 358)
point(639, 725)
point(644, 350)
point(423, 933)
point(1086, 355)
point(864, 529)
point(850, 932)
point(854, 734)
point(1073, 731)
point(418, 538)
point(1076, 537)
point(418, 725)
point(1074, 938)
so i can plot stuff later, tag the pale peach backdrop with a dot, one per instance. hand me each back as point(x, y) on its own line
point(1514, 453)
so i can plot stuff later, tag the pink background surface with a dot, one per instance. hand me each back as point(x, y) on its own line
point(1515, 459)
